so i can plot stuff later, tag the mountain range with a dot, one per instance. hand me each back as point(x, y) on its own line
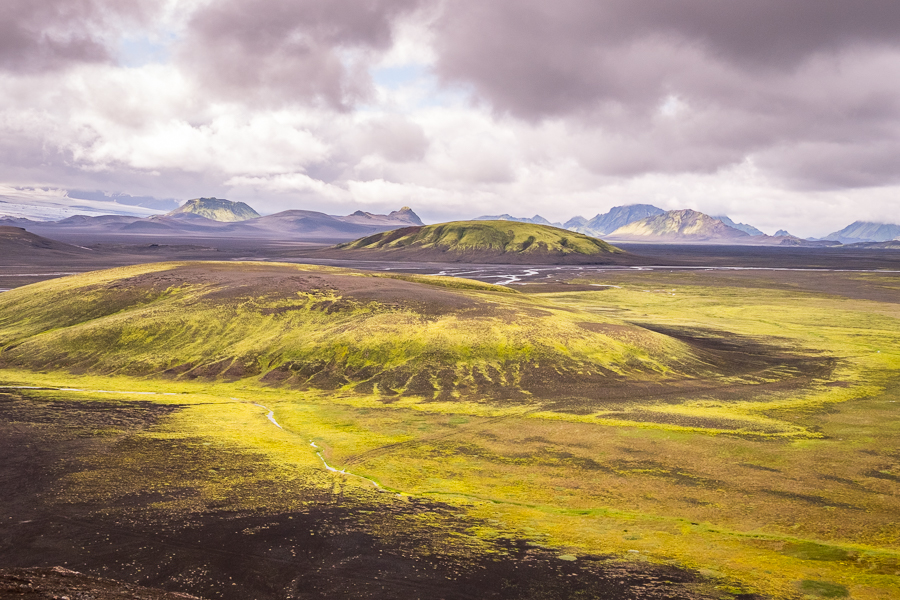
point(214, 217)
point(696, 229)
point(864, 231)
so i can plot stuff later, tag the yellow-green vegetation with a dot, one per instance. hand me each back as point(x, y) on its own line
point(755, 438)
point(217, 209)
point(324, 328)
point(490, 236)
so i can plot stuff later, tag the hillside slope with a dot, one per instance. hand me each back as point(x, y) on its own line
point(18, 245)
point(329, 329)
point(483, 241)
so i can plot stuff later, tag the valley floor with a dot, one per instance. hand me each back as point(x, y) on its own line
point(778, 479)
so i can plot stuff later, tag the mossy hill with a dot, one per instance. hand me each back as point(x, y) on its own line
point(217, 209)
point(485, 241)
point(325, 328)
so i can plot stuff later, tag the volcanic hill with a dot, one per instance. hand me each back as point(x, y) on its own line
point(217, 209)
point(482, 242)
point(325, 328)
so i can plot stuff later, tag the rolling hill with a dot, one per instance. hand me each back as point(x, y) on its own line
point(326, 328)
point(217, 209)
point(483, 241)
point(18, 245)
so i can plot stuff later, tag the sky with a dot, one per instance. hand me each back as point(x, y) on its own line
point(779, 114)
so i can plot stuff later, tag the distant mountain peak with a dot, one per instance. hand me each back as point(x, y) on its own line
point(217, 209)
point(740, 226)
point(865, 231)
point(535, 220)
point(616, 217)
point(406, 214)
point(686, 224)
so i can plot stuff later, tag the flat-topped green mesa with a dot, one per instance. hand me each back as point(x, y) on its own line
point(492, 236)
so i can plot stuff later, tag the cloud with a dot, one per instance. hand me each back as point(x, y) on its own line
point(754, 79)
point(776, 113)
point(49, 35)
point(290, 51)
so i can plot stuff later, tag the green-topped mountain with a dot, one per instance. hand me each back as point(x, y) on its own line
point(217, 209)
point(484, 241)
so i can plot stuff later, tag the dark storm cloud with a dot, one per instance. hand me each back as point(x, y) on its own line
point(536, 58)
point(287, 51)
point(41, 35)
point(809, 88)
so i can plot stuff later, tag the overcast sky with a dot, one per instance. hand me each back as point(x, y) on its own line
point(780, 114)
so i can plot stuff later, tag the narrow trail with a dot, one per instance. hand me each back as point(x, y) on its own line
point(318, 450)
point(270, 416)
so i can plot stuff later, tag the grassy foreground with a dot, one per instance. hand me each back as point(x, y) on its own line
point(783, 480)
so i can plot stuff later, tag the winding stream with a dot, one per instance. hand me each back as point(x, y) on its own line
point(508, 275)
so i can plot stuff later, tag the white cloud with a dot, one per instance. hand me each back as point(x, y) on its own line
point(809, 148)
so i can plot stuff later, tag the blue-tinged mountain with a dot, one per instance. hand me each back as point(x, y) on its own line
point(740, 226)
point(618, 216)
point(535, 220)
point(865, 231)
point(212, 218)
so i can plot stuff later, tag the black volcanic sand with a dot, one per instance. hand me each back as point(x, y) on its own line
point(58, 583)
point(335, 544)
